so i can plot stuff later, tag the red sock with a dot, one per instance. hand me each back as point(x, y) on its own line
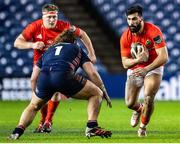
point(52, 106)
point(144, 120)
point(43, 113)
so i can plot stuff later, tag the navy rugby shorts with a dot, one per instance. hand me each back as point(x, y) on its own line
point(50, 82)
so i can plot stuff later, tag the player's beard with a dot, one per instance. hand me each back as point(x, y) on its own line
point(135, 29)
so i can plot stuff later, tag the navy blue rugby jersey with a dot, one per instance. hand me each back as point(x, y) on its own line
point(62, 57)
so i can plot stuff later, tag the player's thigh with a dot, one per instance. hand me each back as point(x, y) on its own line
point(131, 91)
point(89, 90)
point(44, 89)
point(152, 84)
point(34, 76)
point(37, 102)
point(35, 73)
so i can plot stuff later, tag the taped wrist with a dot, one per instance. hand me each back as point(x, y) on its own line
point(102, 87)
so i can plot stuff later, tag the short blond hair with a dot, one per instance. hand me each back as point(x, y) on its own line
point(50, 7)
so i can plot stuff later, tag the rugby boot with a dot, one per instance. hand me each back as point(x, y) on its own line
point(135, 118)
point(97, 131)
point(142, 132)
point(39, 129)
point(47, 127)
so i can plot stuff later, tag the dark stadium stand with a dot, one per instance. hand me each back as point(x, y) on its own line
point(14, 16)
point(164, 13)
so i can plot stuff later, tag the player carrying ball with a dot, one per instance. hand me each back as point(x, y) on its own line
point(144, 70)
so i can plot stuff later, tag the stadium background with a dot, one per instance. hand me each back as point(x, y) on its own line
point(104, 21)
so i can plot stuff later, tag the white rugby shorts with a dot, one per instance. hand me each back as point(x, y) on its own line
point(159, 70)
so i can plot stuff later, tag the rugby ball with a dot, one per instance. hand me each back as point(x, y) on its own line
point(135, 47)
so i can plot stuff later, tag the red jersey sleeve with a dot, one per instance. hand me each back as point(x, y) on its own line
point(157, 37)
point(28, 32)
point(124, 47)
point(76, 30)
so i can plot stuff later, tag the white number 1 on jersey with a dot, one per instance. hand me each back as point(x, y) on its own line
point(58, 50)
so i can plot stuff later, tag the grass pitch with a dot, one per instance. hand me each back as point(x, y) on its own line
point(70, 122)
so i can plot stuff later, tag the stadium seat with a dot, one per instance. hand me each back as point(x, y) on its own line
point(163, 13)
point(14, 16)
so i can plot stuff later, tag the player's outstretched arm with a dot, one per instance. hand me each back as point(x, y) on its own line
point(87, 42)
point(96, 79)
point(21, 43)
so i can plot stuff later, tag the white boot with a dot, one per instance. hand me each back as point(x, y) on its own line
point(135, 118)
point(142, 132)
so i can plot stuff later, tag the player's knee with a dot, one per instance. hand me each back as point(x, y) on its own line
point(149, 92)
point(56, 97)
point(99, 94)
point(33, 81)
point(35, 107)
point(129, 103)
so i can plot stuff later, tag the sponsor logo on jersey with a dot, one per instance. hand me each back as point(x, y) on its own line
point(39, 36)
point(148, 42)
point(157, 39)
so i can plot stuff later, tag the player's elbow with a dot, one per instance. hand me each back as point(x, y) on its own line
point(16, 43)
point(125, 66)
point(165, 59)
point(124, 63)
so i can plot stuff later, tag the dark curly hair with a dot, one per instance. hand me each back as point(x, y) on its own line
point(133, 9)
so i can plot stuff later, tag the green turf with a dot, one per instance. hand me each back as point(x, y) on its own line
point(70, 121)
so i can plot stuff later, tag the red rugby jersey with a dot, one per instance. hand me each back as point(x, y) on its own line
point(37, 32)
point(151, 38)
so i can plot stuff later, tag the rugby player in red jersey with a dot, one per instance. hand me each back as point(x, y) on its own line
point(144, 70)
point(39, 35)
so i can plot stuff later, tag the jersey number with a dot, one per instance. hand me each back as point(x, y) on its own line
point(58, 50)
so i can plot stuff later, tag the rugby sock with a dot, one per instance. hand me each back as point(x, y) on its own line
point(43, 114)
point(92, 124)
point(143, 126)
point(52, 106)
point(138, 107)
point(144, 120)
point(19, 130)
